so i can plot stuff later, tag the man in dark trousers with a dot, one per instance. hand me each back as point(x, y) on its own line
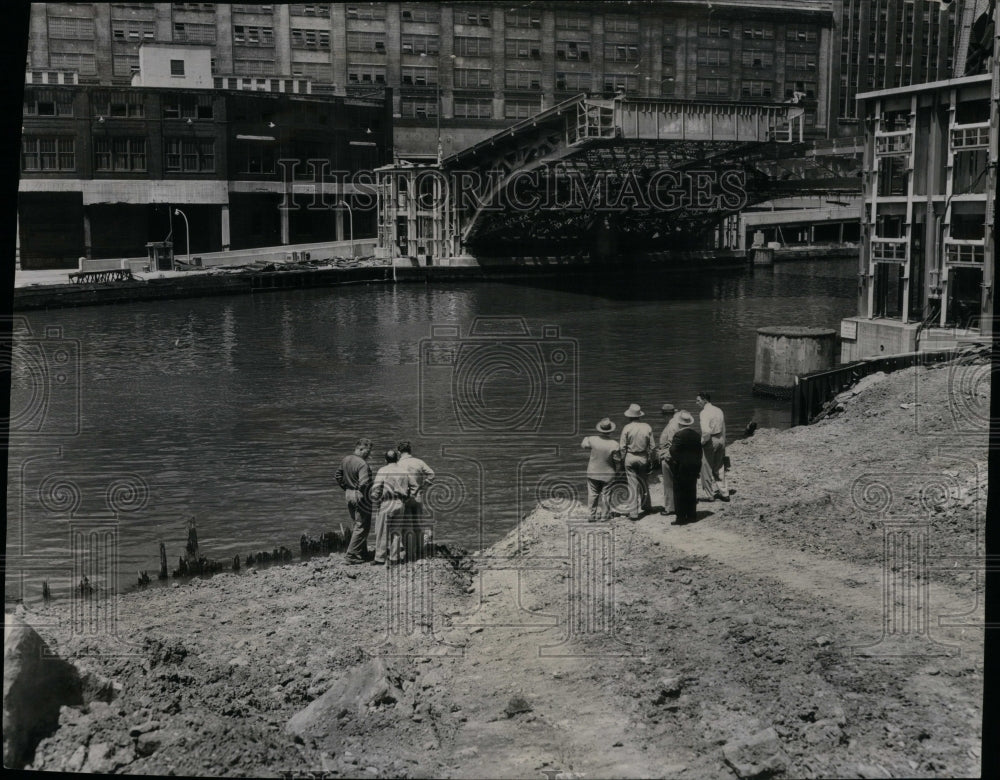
point(355, 477)
point(685, 463)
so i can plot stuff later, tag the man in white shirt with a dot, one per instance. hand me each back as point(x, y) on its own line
point(636, 447)
point(600, 469)
point(422, 476)
point(391, 489)
point(713, 444)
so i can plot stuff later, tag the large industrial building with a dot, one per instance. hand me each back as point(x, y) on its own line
point(104, 168)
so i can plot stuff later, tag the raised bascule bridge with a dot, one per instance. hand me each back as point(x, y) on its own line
point(595, 178)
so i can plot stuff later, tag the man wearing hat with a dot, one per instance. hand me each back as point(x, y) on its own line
point(670, 414)
point(601, 469)
point(636, 447)
point(685, 464)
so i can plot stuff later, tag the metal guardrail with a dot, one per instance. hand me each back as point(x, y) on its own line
point(813, 390)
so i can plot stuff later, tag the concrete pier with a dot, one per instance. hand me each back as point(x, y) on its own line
point(785, 351)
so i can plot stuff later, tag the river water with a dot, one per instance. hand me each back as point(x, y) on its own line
point(236, 410)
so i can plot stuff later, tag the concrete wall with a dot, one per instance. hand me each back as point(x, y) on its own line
point(875, 338)
point(154, 66)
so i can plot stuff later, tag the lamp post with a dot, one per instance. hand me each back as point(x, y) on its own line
point(350, 215)
point(187, 230)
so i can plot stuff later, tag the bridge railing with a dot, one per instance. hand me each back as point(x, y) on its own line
point(679, 120)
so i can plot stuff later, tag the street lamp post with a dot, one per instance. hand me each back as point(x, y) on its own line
point(187, 230)
point(350, 214)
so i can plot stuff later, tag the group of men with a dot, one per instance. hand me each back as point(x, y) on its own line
point(394, 497)
point(683, 455)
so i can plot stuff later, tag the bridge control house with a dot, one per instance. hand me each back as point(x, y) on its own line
point(926, 274)
point(104, 168)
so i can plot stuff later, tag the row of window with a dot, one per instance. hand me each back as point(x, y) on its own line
point(181, 155)
point(117, 104)
point(756, 31)
point(753, 88)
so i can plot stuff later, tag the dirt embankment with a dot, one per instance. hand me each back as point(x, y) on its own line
point(753, 641)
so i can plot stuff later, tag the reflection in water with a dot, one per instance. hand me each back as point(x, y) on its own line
point(238, 410)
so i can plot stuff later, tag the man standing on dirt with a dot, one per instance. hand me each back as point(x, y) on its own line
point(355, 477)
point(670, 414)
point(392, 488)
point(713, 443)
point(422, 475)
point(600, 469)
point(636, 447)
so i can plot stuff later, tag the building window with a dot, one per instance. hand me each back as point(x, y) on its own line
point(573, 50)
point(523, 79)
point(310, 39)
point(132, 32)
point(521, 109)
point(472, 77)
point(71, 28)
point(572, 21)
point(365, 74)
point(310, 9)
point(120, 154)
point(804, 88)
point(252, 8)
point(580, 82)
point(713, 58)
point(473, 15)
point(186, 32)
point(189, 155)
point(420, 44)
point(418, 108)
point(619, 52)
point(621, 82)
point(319, 71)
point(800, 62)
point(523, 49)
point(758, 31)
point(254, 67)
point(256, 156)
point(368, 11)
point(193, 7)
point(187, 107)
point(47, 102)
point(48, 154)
point(472, 47)
point(83, 63)
point(473, 108)
point(120, 104)
point(124, 64)
point(757, 59)
point(756, 89)
point(620, 23)
point(366, 41)
point(419, 13)
point(802, 32)
point(717, 87)
point(524, 18)
point(176, 67)
point(718, 29)
point(419, 77)
point(246, 35)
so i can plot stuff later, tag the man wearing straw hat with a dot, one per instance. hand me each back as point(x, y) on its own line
point(636, 447)
point(601, 469)
point(670, 414)
point(685, 463)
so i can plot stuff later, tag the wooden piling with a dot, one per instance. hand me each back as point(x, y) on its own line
point(163, 561)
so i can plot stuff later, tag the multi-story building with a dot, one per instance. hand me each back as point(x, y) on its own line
point(103, 167)
point(883, 44)
point(470, 68)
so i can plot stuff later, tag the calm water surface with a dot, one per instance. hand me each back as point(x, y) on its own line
point(236, 410)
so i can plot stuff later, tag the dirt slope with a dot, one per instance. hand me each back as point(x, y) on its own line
point(766, 614)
